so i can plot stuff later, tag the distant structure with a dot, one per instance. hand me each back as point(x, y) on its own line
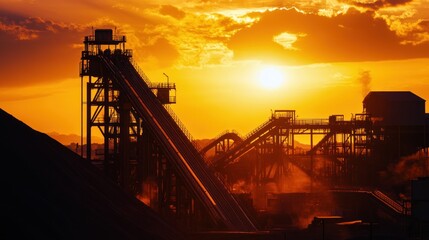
point(349, 153)
point(390, 108)
point(400, 120)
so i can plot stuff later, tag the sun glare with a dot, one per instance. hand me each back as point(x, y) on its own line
point(271, 77)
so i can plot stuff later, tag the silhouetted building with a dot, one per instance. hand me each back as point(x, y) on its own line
point(399, 126)
point(402, 108)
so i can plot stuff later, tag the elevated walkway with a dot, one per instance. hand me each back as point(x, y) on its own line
point(254, 137)
point(228, 135)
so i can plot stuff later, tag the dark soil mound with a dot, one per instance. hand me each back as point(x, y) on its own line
point(49, 192)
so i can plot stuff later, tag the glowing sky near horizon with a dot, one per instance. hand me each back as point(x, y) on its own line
point(326, 56)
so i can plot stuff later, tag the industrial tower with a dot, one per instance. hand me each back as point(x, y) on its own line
point(147, 150)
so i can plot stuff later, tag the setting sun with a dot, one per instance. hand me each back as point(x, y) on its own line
point(271, 77)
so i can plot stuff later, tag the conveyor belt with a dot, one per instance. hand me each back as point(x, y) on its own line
point(250, 141)
point(226, 135)
point(221, 205)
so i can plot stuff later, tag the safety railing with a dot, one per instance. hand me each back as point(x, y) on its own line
point(115, 38)
point(140, 72)
point(181, 126)
point(226, 132)
point(244, 145)
point(216, 140)
point(303, 122)
point(167, 107)
point(162, 85)
point(259, 128)
point(388, 201)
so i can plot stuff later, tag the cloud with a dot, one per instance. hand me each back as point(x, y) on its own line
point(163, 51)
point(375, 5)
point(7, 96)
point(42, 51)
point(172, 11)
point(287, 40)
point(348, 37)
point(182, 35)
point(193, 41)
point(36, 50)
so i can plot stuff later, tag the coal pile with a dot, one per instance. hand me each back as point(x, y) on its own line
point(50, 192)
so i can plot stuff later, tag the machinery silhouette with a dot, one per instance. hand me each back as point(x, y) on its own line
point(149, 152)
point(144, 141)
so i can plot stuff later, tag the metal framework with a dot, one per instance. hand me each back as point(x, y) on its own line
point(147, 150)
point(130, 156)
point(341, 155)
point(149, 153)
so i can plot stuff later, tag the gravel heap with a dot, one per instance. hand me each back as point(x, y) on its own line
point(50, 192)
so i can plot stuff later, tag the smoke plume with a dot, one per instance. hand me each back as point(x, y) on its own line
point(399, 175)
point(365, 81)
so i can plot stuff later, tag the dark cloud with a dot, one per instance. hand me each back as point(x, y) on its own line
point(35, 50)
point(380, 3)
point(353, 36)
point(172, 11)
point(162, 50)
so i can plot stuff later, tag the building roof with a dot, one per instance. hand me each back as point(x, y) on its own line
point(392, 96)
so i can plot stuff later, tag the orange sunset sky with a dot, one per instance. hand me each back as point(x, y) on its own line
point(233, 61)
